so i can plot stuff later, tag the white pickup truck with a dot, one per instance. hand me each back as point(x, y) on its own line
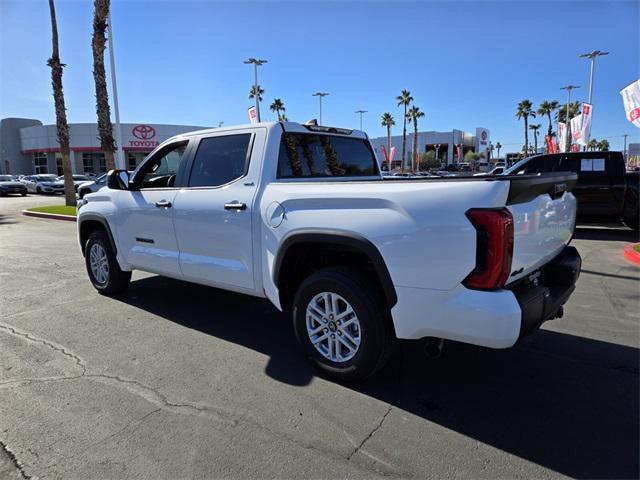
point(301, 215)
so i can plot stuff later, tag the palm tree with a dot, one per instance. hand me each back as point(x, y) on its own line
point(524, 111)
point(277, 106)
point(498, 147)
point(535, 129)
point(413, 115)
point(592, 145)
point(61, 112)
point(256, 90)
point(388, 121)
point(405, 100)
point(105, 129)
point(603, 145)
point(561, 115)
point(547, 108)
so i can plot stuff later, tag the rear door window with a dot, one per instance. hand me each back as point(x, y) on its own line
point(220, 160)
point(304, 155)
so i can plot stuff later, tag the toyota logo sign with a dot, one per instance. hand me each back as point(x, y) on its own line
point(143, 132)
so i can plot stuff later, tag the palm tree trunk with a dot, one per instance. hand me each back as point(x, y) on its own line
point(404, 138)
point(526, 136)
point(535, 142)
point(61, 112)
point(550, 129)
point(105, 129)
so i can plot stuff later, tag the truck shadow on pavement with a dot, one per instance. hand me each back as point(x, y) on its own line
point(606, 234)
point(561, 401)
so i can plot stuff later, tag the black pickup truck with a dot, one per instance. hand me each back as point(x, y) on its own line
point(605, 190)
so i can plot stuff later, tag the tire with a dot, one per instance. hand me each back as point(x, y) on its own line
point(24, 194)
point(373, 329)
point(39, 191)
point(110, 280)
point(82, 193)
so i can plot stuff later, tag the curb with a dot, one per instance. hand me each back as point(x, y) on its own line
point(630, 254)
point(51, 216)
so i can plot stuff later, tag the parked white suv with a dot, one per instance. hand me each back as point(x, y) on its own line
point(300, 214)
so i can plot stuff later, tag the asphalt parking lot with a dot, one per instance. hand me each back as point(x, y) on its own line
point(174, 380)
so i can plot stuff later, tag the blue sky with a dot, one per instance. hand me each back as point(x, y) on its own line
point(467, 64)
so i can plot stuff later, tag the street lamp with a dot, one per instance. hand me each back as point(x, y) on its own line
point(256, 63)
point(220, 124)
point(592, 56)
point(320, 95)
point(361, 112)
point(568, 88)
point(437, 147)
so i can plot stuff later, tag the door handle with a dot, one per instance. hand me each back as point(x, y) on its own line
point(163, 204)
point(235, 206)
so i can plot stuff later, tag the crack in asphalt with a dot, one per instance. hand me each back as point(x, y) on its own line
point(14, 461)
point(57, 348)
point(371, 433)
point(160, 400)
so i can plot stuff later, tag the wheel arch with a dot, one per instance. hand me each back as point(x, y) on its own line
point(292, 252)
point(88, 224)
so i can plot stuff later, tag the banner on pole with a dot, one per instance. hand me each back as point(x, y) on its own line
point(551, 148)
point(384, 153)
point(587, 113)
point(562, 137)
point(392, 154)
point(576, 130)
point(631, 99)
point(253, 114)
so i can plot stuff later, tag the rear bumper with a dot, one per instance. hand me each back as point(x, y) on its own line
point(494, 319)
point(541, 299)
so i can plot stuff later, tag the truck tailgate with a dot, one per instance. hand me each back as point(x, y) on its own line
point(544, 216)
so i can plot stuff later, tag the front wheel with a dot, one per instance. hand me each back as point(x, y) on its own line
point(342, 323)
point(102, 266)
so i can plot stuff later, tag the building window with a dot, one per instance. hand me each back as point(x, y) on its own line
point(92, 162)
point(59, 167)
point(134, 159)
point(87, 163)
point(40, 163)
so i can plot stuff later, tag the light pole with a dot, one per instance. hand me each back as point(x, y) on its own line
point(568, 88)
point(624, 150)
point(320, 95)
point(592, 56)
point(437, 147)
point(256, 63)
point(116, 109)
point(220, 124)
point(361, 112)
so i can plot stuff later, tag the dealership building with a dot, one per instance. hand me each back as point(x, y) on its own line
point(29, 147)
point(450, 147)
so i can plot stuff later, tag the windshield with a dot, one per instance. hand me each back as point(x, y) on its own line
point(6, 178)
point(81, 177)
point(46, 178)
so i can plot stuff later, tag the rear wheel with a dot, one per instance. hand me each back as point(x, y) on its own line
point(343, 326)
point(39, 190)
point(103, 269)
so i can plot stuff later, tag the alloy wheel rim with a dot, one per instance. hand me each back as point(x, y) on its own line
point(99, 263)
point(333, 327)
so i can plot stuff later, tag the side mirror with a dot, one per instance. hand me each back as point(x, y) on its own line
point(118, 180)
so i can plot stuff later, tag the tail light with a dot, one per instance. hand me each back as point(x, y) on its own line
point(494, 248)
